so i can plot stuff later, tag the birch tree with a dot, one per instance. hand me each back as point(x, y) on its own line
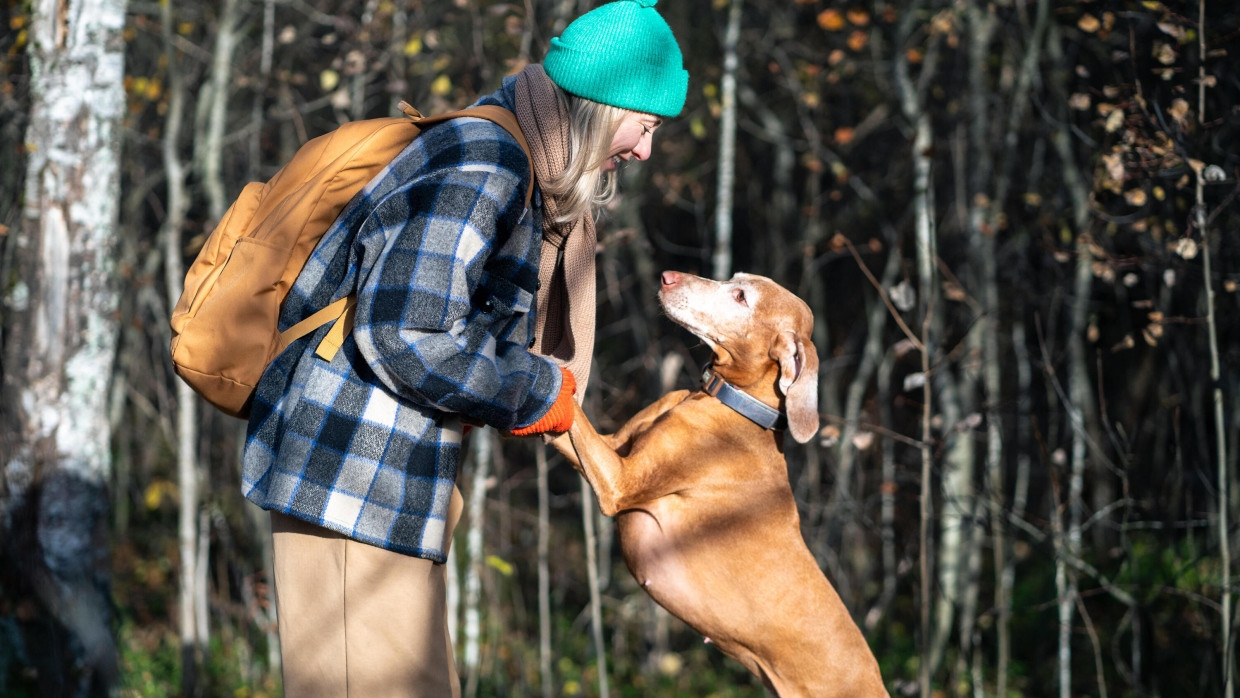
point(62, 333)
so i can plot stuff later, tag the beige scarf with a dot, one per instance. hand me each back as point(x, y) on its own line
point(566, 295)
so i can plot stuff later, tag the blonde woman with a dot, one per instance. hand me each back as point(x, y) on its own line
point(471, 308)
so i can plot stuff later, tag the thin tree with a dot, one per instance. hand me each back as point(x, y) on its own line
point(912, 104)
point(721, 259)
point(190, 628)
point(544, 575)
point(1220, 423)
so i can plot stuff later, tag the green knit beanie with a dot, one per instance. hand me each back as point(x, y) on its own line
point(622, 54)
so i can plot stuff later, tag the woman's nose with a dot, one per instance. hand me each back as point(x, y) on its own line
point(642, 150)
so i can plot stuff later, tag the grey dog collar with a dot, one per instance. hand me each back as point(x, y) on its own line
point(748, 406)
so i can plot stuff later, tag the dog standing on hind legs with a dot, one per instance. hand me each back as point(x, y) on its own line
point(699, 488)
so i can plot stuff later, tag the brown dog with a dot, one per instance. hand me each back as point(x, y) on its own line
point(707, 521)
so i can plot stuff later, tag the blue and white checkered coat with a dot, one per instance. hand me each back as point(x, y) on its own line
point(444, 260)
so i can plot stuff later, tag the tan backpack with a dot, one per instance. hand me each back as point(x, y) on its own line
point(225, 327)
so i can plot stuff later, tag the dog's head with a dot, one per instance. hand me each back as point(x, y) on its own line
point(759, 332)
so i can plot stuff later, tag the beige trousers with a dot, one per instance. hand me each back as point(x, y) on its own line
point(357, 620)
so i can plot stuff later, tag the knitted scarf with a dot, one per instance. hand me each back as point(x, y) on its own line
point(566, 294)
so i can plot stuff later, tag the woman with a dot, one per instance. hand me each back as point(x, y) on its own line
point(471, 308)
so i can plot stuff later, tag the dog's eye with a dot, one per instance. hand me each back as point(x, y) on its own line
point(739, 295)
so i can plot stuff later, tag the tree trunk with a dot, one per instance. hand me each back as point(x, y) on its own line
point(474, 559)
point(911, 101)
point(596, 601)
point(1220, 420)
point(546, 679)
point(721, 260)
point(191, 578)
point(60, 340)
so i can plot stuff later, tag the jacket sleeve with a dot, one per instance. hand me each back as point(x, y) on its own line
point(425, 322)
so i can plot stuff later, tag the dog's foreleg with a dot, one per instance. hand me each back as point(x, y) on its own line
point(624, 482)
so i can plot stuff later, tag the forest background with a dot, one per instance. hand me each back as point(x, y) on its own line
point(1015, 221)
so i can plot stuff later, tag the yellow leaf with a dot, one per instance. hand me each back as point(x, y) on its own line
point(1088, 23)
point(697, 127)
point(441, 86)
point(328, 79)
point(413, 46)
point(154, 493)
point(500, 565)
point(858, 17)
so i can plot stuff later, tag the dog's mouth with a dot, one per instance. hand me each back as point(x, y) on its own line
point(679, 310)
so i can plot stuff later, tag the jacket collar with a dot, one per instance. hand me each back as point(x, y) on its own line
point(746, 405)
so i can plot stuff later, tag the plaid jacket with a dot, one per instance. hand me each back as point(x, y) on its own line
point(444, 260)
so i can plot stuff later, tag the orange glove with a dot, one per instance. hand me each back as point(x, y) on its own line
point(560, 417)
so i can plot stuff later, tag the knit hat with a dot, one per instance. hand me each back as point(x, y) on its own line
point(622, 54)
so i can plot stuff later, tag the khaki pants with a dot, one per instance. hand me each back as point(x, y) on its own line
point(357, 620)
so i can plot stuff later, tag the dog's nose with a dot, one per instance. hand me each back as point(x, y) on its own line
point(670, 278)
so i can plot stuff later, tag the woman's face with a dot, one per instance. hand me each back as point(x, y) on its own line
point(633, 138)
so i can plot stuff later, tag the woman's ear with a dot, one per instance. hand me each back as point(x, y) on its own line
point(798, 381)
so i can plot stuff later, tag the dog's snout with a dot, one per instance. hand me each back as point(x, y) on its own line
point(670, 278)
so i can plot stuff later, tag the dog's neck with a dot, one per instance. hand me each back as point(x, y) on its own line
point(742, 402)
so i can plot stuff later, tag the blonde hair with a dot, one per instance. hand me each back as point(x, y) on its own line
point(584, 186)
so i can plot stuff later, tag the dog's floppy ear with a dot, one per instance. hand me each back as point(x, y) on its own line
point(798, 381)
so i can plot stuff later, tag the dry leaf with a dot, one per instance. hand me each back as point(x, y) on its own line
point(1114, 164)
point(857, 40)
point(1088, 23)
point(914, 380)
point(862, 440)
point(1179, 111)
point(1114, 120)
point(1164, 53)
point(1186, 248)
point(831, 20)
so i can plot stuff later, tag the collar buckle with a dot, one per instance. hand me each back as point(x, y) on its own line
point(712, 383)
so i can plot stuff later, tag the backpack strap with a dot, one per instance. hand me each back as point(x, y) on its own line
point(340, 312)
